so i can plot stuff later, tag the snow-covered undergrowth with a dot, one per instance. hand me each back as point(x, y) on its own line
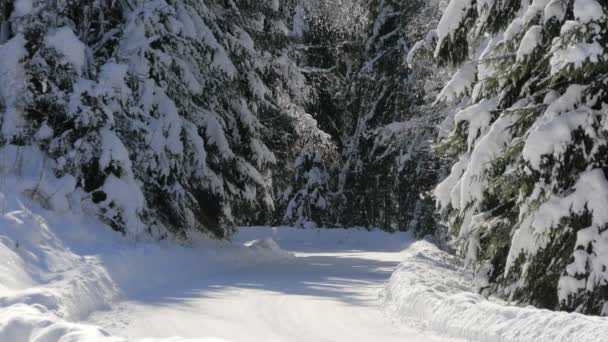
point(430, 290)
point(58, 267)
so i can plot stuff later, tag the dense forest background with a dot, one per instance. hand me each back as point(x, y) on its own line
point(305, 113)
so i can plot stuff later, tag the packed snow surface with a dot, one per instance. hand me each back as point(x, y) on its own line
point(326, 288)
point(66, 277)
point(71, 279)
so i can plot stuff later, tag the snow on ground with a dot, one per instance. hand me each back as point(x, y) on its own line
point(328, 290)
point(429, 290)
point(57, 270)
point(57, 267)
point(66, 277)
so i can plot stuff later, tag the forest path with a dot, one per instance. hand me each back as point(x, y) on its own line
point(329, 291)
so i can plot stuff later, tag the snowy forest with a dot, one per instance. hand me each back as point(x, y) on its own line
point(147, 146)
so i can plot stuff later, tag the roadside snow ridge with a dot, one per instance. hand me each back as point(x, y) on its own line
point(429, 289)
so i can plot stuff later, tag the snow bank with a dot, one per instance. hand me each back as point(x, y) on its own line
point(57, 270)
point(43, 284)
point(59, 265)
point(33, 323)
point(430, 290)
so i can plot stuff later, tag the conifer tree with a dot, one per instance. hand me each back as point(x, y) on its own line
point(309, 196)
point(166, 113)
point(526, 196)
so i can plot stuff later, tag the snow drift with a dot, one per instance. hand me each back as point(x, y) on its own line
point(429, 289)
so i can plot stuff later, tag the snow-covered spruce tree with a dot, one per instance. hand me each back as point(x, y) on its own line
point(306, 199)
point(309, 194)
point(163, 112)
point(273, 87)
point(526, 197)
point(49, 100)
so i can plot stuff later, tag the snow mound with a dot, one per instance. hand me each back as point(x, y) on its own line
point(331, 239)
point(430, 290)
point(43, 285)
point(34, 323)
point(269, 246)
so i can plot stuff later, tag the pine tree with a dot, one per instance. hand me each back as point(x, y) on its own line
point(525, 197)
point(309, 198)
point(167, 113)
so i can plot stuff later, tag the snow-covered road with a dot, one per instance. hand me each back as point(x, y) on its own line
point(69, 278)
point(327, 292)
